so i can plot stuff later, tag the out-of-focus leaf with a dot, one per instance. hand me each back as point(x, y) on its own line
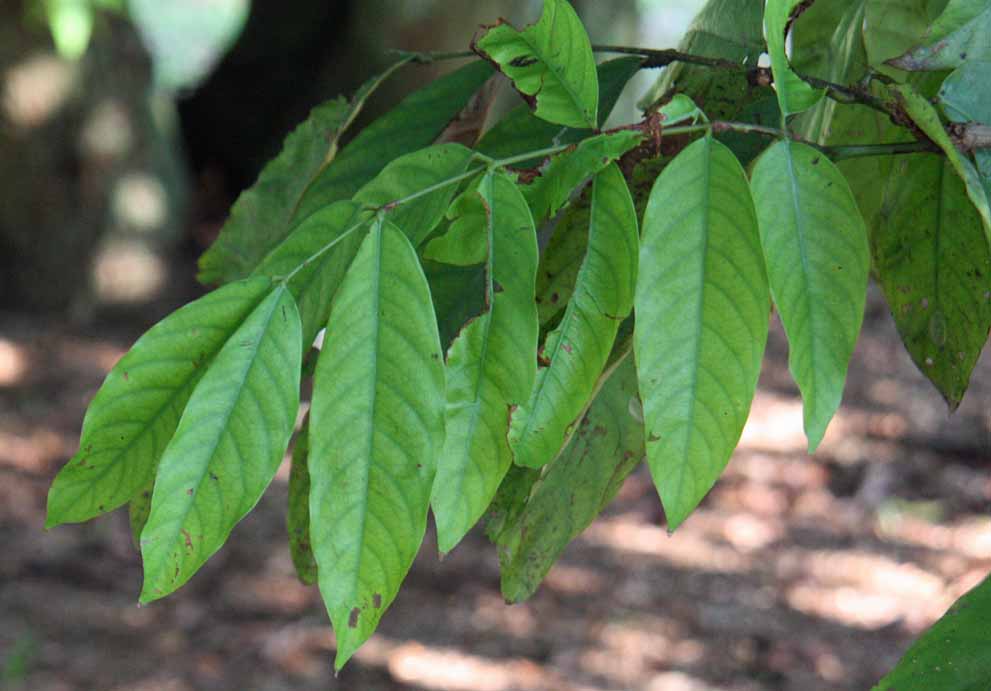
point(701, 308)
point(491, 366)
point(262, 215)
point(892, 27)
point(376, 426)
point(458, 295)
point(953, 653)
point(227, 447)
point(817, 256)
point(577, 350)
point(550, 62)
point(465, 241)
point(933, 262)
point(575, 487)
point(135, 413)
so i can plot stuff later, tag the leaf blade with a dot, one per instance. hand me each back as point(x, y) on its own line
point(932, 261)
point(703, 285)
point(379, 380)
point(550, 63)
point(137, 409)
point(815, 248)
point(794, 94)
point(206, 482)
point(578, 349)
point(576, 486)
point(490, 366)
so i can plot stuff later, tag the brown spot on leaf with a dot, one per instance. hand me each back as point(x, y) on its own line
point(653, 437)
point(126, 378)
point(567, 347)
point(189, 491)
point(353, 618)
point(376, 601)
point(523, 61)
point(188, 538)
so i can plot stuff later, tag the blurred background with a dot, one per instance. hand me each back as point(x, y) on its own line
point(127, 129)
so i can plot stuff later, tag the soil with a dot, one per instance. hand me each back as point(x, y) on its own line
point(799, 572)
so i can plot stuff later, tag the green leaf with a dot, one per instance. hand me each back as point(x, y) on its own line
point(377, 424)
point(933, 262)
point(491, 366)
point(965, 98)
point(702, 307)
point(729, 29)
point(521, 131)
point(137, 512)
point(261, 216)
point(562, 258)
point(566, 171)
point(550, 63)
point(412, 125)
point(955, 15)
point(577, 350)
point(318, 274)
point(794, 94)
point(828, 42)
point(893, 26)
point(458, 295)
point(576, 486)
point(227, 447)
point(465, 241)
point(136, 411)
point(815, 247)
point(298, 515)
point(953, 653)
point(968, 42)
point(509, 500)
point(413, 173)
point(924, 115)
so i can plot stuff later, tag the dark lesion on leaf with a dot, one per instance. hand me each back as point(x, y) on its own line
point(377, 601)
point(523, 61)
point(353, 617)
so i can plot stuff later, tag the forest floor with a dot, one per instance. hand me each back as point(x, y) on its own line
point(798, 573)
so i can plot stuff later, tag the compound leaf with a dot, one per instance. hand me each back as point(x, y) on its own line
point(135, 413)
point(815, 248)
point(933, 262)
point(577, 350)
point(490, 366)
point(261, 216)
point(702, 308)
point(376, 426)
point(575, 487)
point(550, 63)
point(227, 447)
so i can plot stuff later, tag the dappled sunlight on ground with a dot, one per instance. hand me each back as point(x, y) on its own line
point(797, 573)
